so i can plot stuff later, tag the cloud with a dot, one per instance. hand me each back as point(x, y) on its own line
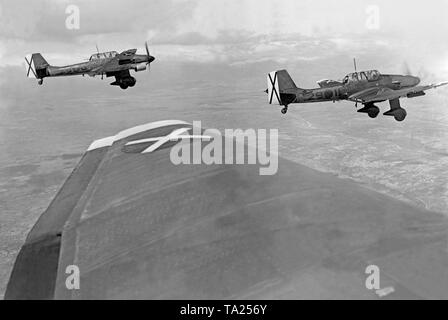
point(45, 20)
point(234, 31)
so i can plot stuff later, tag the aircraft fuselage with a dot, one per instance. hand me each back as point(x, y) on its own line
point(343, 91)
point(96, 67)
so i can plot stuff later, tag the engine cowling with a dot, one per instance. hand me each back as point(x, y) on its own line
point(140, 67)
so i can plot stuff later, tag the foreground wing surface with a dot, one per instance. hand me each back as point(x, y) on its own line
point(139, 226)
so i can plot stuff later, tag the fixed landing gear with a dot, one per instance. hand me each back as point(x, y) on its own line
point(396, 110)
point(400, 114)
point(127, 82)
point(40, 81)
point(284, 109)
point(373, 112)
point(371, 109)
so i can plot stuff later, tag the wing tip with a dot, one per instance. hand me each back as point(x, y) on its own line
point(101, 143)
point(108, 141)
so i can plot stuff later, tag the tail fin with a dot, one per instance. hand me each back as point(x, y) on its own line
point(280, 86)
point(36, 66)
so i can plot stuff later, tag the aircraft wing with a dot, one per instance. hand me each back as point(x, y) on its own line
point(379, 94)
point(361, 95)
point(138, 226)
point(106, 68)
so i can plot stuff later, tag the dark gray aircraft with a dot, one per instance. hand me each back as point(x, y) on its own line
point(138, 226)
point(365, 87)
point(111, 64)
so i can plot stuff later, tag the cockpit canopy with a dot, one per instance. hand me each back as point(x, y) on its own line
point(371, 75)
point(103, 55)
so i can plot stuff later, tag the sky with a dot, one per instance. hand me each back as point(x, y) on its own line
point(381, 34)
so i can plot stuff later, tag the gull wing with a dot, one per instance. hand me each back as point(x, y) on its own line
point(379, 94)
point(139, 226)
point(364, 94)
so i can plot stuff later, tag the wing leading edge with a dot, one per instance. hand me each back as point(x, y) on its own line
point(379, 94)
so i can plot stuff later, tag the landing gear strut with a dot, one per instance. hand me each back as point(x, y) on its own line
point(396, 110)
point(127, 82)
point(284, 109)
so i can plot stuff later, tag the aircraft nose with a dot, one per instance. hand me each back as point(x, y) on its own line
point(151, 59)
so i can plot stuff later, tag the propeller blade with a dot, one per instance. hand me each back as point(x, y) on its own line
point(150, 58)
point(406, 70)
point(147, 49)
point(422, 73)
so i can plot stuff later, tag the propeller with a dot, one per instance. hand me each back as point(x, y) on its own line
point(354, 64)
point(150, 58)
point(406, 70)
point(422, 73)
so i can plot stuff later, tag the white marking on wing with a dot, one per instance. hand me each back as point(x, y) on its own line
point(153, 125)
point(100, 143)
point(108, 141)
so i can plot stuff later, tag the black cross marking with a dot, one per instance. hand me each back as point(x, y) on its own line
point(29, 67)
point(274, 90)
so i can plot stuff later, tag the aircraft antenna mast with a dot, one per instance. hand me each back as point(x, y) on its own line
point(96, 45)
point(354, 63)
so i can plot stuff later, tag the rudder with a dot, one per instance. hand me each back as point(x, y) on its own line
point(273, 90)
point(285, 81)
point(36, 66)
point(280, 85)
